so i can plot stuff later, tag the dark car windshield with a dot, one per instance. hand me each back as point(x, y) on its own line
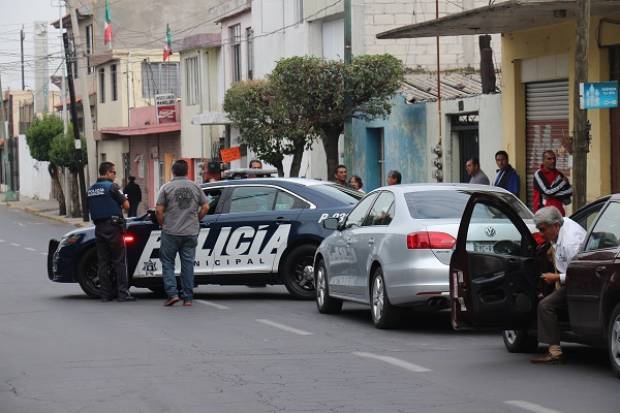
point(447, 204)
point(339, 192)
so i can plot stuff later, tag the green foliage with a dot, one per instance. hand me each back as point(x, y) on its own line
point(265, 124)
point(40, 135)
point(63, 153)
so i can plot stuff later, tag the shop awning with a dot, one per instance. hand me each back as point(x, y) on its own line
point(505, 17)
point(211, 118)
point(143, 130)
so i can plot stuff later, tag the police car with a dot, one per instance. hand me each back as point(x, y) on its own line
point(257, 232)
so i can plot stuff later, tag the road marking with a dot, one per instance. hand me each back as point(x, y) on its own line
point(214, 305)
point(15, 245)
point(283, 327)
point(44, 253)
point(30, 249)
point(393, 361)
point(20, 224)
point(1, 240)
point(530, 407)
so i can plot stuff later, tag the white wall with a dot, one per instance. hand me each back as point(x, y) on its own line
point(489, 133)
point(34, 178)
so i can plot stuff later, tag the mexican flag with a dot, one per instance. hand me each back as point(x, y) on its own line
point(167, 43)
point(107, 31)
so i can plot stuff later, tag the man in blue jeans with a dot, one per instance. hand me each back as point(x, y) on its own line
point(181, 204)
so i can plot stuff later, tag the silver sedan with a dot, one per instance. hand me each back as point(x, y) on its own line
point(393, 249)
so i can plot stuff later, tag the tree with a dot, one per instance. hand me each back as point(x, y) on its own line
point(39, 137)
point(63, 153)
point(313, 89)
point(266, 125)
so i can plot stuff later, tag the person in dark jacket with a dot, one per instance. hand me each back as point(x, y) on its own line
point(134, 196)
point(506, 177)
point(106, 204)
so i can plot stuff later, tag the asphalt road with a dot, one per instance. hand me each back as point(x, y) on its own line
point(254, 350)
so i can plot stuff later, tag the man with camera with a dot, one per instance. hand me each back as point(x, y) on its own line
point(106, 203)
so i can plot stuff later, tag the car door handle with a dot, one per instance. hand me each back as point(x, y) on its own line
point(600, 270)
point(348, 241)
point(282, 220)
point(371, 241)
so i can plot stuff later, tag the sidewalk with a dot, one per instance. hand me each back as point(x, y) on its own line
point(43, 208)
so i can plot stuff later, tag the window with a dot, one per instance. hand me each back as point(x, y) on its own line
point(498, 235)
point(213, 197)
point(451, 204)
point(90, 45)
point(382, 212)
point(159, 78)
point(114, 82)
point(357, 217)
point(606, 232)
point(192, 83)
point(587, 216)
point(235, 52)
point(250, 37)
point(285, 201)
point(252, 199)
point(102, 85)
point(299, 11)
point(341, 193)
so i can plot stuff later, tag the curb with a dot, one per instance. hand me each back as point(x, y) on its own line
point(36, 212)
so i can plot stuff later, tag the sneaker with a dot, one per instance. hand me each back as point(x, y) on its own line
point(128, 299)
point(171, 301)
point(187, 303)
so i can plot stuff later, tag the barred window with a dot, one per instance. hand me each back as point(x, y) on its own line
point(192, 80)
point(159, 78)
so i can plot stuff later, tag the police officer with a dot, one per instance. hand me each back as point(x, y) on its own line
point(105, 201)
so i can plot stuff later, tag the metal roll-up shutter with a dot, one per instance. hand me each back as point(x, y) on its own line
point(546, 120)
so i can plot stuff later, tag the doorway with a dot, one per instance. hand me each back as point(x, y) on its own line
point(375, 159)
point(466, 128)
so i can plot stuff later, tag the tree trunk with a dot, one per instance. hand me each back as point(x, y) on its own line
point(330, 144)
point(280, 167)
point(296, 163)
point(57, 189)
point(76, 211)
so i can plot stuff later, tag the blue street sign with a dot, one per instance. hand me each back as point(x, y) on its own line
point(600, 95)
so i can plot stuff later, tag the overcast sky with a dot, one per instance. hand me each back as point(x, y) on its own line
point(14, 14)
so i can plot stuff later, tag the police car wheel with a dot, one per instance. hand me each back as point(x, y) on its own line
point(324, 303)
point(87, 274)
point(298, 272)
point(519, 341)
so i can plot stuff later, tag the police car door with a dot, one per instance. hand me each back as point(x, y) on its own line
point(254, 229)
point(493, 273)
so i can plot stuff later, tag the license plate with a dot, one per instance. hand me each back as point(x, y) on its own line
point(484, 247)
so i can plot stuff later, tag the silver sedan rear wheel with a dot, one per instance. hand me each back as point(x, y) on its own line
point(384, 314)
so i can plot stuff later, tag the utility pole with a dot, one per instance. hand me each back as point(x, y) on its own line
point(69, 57)
point(581, 126)
point(22, 36)
point(80, 49)
point(348, 100)
point(63, 87)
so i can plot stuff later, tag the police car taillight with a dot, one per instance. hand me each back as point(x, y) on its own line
point(129, 238)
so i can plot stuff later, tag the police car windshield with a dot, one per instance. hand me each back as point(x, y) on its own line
point(340, 193)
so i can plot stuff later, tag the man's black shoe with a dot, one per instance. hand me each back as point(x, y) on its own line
point(172, 301)
point(127, 299)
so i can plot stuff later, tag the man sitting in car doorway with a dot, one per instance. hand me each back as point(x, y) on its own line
point(566, 238)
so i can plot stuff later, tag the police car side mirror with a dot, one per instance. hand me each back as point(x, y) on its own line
point(331, 223)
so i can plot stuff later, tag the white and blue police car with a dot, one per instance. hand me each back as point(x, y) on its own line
point(258, 232)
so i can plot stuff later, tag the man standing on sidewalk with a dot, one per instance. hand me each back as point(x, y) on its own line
point(106, 204)
point(181, 204)
point(134, 195)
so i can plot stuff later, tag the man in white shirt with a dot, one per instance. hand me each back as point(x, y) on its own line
point(566, 236)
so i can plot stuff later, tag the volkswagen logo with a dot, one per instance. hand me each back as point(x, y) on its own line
point(490, 231)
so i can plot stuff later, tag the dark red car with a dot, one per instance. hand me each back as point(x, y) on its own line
point(501, 289)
